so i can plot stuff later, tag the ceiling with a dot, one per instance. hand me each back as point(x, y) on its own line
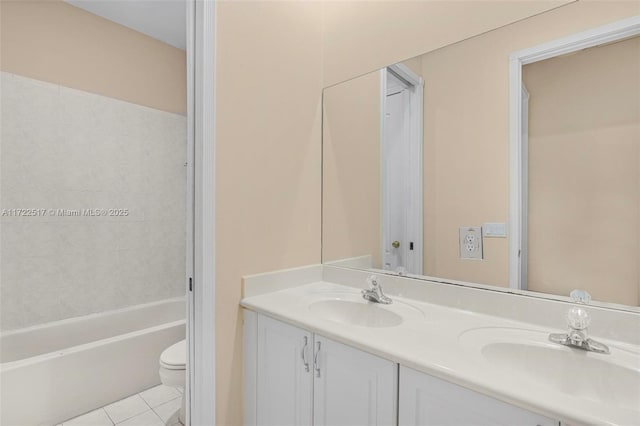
point(164, 20)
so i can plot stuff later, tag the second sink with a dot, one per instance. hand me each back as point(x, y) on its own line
point(613, 378)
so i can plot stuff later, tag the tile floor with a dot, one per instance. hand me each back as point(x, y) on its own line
point(157, 406)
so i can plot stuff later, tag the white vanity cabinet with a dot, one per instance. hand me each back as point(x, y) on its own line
point(284, 380)
point(352, 387)
point(427, 400)
point(293, 377)
point(307, 379)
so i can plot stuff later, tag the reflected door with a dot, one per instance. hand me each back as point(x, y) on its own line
point(401, 179)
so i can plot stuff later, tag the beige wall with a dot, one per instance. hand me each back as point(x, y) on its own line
point(269, 87)
point(361, 36)
point(271, 69)
point(584, 172)
point(52, 41)
point(351, 169)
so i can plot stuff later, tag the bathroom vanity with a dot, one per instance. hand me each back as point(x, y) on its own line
point(317, 353)
point(483, 184)
point(348, 386)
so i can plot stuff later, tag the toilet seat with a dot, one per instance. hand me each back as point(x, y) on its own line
point(175, 356)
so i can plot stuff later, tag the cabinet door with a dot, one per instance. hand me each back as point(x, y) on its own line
point(284, 374)
point(426, 400)
point(352, 387)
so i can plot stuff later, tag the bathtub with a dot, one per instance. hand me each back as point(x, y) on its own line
point(53, 372)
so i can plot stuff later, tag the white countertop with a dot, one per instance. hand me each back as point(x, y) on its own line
point(431, 340)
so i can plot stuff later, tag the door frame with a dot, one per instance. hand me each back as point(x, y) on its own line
point(415, 222)
point(200, 280)
point(524, 186)
point(518, 177)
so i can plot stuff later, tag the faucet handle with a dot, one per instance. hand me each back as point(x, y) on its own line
point(580, 296)
point(578, 318)
point(372, 280)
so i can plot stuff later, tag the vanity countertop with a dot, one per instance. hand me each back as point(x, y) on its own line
point(447, 343)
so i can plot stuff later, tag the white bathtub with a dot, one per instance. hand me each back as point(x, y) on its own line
point(55, 371)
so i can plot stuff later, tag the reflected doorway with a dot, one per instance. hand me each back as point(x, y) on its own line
point(401, 149)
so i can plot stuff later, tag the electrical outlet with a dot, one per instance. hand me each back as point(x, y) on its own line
point(471, 242)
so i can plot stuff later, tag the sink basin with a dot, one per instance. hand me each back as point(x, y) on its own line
point(367, 315)
point(354, 310)
point(610, 378)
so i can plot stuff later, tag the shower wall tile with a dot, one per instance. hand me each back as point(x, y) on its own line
point(11, 316)
point(65, 149)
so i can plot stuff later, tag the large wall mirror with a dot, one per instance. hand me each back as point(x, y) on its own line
point(508, 159)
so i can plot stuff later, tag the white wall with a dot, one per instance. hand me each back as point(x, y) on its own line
point(63, 148)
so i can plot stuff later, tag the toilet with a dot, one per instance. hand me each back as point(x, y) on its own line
point(173, 372)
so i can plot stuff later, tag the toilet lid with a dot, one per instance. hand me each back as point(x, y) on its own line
point(175, 356)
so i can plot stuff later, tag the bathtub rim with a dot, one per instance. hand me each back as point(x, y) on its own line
point(91, 316)
point(10, 365)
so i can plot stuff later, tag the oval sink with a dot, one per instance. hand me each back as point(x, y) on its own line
point(356, 313)
point(351, 308)
point(610, 378)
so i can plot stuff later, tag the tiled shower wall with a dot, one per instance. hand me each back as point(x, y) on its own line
point(108, 180)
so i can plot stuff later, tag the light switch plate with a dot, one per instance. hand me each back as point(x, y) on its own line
point(494, 230)
point(471, 242)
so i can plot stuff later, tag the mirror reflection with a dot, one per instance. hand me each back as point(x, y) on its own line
point(582, 209)
point(417, 170)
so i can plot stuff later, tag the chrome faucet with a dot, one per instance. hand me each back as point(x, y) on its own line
point(375, 293)
point(578, 320)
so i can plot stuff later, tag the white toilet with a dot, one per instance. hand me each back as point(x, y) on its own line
point(173, 372)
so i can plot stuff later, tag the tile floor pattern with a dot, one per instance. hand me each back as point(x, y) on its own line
point(157, 406)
